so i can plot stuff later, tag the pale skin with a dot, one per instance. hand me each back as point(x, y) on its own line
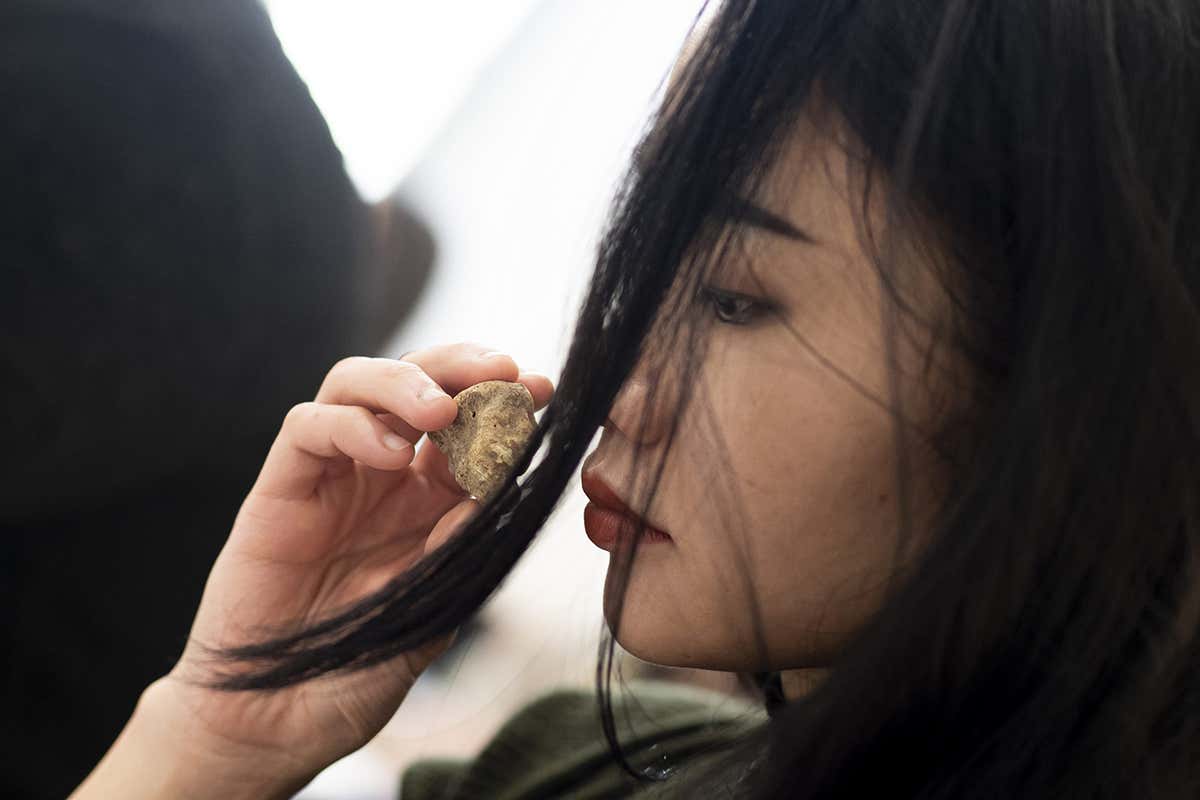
point(779, 487)
point(796, 514)
point(344, 502)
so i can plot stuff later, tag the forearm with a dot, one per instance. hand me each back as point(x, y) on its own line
point(153, 759)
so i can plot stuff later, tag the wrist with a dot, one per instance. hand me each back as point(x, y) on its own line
point(162, 753)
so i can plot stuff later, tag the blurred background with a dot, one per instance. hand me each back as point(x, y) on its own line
point(199, 233)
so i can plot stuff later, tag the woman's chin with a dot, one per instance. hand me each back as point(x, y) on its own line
point(662, 649)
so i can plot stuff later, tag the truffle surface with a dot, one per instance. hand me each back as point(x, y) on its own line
point(494, 423)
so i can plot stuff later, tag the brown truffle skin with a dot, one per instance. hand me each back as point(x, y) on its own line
point(494, 423)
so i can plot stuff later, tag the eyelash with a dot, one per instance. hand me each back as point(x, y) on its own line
point(749, 310)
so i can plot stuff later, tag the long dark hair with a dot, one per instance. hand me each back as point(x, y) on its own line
point(1046, 643)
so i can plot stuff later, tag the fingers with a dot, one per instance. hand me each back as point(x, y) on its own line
point(456, 366)
point(314, 433)
point(432, 462)
point(400, 388)
point(415, 391)
point(374, 410)
point(451, 523)
point(541, 387)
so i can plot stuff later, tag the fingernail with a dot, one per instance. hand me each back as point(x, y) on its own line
point(492, 354)
point(431, 394)
point(393, 442)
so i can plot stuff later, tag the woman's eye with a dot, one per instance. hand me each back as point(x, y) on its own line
point(733, 309)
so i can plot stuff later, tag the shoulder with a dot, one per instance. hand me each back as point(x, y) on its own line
point(652, 704)
point(555, 745)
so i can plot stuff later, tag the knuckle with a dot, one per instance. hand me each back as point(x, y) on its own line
point(474, 348)
point(343, 367)
point(401, 370)
point(302, 413)
point(362, 420)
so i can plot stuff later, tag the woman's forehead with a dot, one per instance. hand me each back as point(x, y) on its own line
point(811, 184)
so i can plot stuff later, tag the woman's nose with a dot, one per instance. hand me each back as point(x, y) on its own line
point(632, 414)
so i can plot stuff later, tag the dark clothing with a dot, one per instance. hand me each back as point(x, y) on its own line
point(554, 747)
point(180, 248)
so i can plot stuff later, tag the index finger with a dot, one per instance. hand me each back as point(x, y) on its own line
point(454, 373)
point(392, 387)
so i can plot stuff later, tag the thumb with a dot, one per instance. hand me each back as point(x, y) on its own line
point(450, 524)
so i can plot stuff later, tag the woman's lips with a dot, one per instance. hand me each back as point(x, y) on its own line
point(607, 518)
point(604, 526)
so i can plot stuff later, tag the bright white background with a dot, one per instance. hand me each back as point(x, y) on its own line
point(506, 123)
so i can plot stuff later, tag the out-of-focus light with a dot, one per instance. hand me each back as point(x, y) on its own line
point(388, 73)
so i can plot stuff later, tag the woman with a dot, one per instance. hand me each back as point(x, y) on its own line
point(894, 339)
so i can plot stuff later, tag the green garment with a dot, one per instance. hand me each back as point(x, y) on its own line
point(555, 746)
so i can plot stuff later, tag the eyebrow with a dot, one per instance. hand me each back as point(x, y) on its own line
point(748, 213)
point(741, 210)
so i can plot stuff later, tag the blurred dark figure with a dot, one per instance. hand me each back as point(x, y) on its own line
point(182, 257)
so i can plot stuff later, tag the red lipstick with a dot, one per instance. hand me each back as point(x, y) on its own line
point(607, 518)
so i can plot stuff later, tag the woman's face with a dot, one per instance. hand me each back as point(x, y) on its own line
point(778, 491)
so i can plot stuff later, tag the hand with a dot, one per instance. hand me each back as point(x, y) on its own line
point(340, 508)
